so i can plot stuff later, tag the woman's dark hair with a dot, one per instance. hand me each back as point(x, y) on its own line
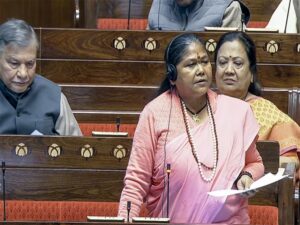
point(174, 53)
point(247, 42)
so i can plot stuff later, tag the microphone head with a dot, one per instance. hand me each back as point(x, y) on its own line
point(243, 17)
point(168, 168)
point(128, 205)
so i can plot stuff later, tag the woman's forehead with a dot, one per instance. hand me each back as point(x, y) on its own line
point(232, 47)
point(195, 48)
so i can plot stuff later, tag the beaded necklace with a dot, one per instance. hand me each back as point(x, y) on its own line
point(215, 142)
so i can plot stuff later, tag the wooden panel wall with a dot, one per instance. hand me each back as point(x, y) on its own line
point(98, 45)
point(40, 13)
point(103, 104)
point(261, 10)
point(87, 65)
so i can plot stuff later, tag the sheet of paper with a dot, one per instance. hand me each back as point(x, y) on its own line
point(267, 179)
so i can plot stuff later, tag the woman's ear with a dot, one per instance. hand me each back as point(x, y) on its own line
point(251, 78)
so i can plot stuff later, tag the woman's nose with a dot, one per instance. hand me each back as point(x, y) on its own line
point(229, 68)
point(199, 70)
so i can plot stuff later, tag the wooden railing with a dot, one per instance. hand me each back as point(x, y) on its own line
point(57, 168)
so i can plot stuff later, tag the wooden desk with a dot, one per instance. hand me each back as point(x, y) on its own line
point(89, 169)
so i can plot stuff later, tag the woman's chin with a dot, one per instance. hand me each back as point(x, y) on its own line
point(203, 90)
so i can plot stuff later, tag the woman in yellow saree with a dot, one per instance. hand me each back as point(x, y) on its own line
point(236, 76)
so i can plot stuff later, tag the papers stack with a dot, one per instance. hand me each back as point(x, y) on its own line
point(267, 179)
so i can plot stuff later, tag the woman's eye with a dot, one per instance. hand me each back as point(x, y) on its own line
point(191, 64)
point(222, 63)
point(238, 64)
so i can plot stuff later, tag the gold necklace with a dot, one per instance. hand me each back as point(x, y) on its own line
point(195, 116)
point(215, 143)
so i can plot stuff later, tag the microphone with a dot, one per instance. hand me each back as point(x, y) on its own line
point(118, 123)
point(158, 15)
point(128, 17)
point(243, 22)
point(3, 191)
point(287, 16)
point(128, 210)
point(168, 187)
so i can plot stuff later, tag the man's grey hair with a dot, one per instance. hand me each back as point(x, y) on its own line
point(17, 32)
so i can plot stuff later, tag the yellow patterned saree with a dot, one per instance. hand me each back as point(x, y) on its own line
point(276, 125)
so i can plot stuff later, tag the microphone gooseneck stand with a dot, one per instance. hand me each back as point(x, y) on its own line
point(3, 191)
point(287, 17)
point(168, 187)
point(128, 17)
point(128, 210)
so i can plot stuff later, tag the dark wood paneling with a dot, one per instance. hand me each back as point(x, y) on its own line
point(108, 97)
point(124, 98)
point(103, 72)
point(40, 13)
point(71, 158)
point(269, 152)
point(279, 75)
point(261, 10)
point(103, 104)
point(278, 96)
point(95, 44)
point(126, 102)
point(271, 160)
point(77, 57)
point(37, 176)
point(69, 176)
point(147, 73)
point(63, 184)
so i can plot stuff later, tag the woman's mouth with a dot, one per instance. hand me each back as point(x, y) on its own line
point(229, 81)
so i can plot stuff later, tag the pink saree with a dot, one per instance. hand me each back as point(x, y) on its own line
point(189, 201)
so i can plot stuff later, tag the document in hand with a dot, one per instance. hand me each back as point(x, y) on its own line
point(267, 179)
